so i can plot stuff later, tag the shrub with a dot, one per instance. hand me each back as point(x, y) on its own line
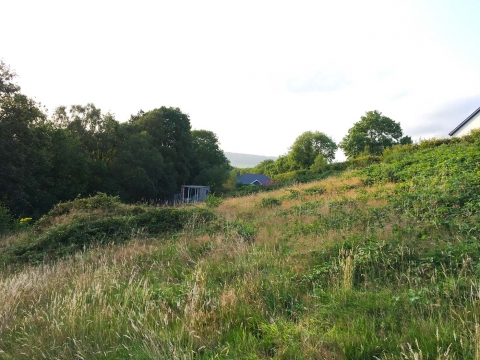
point(270, 202)
point(247, 190)
point(294, 195)
point(291, 175)
point(363, 161)
point(337, 166)
point(213, 201)
point(6, 220)
point(315, 190)
point(82, 231)
point(246, 231)
point(97, 202)
point(319, 165)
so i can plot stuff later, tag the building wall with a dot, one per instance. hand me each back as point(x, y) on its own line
point(474, 123)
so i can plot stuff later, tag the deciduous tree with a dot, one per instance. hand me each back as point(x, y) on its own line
point(372, 134)
point(171, 133)
point(308, 145)
point(210, 166)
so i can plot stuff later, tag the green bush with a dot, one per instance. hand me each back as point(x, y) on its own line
point(314, 190)
point(246, 231)
point(247, 190)
point(337, 166)
point(270, 202)
point(98, 202)
point(213, 201)
point(6, 221)
point(363, 161)
point(291, 175)
point(70, 237)
point(294, 195)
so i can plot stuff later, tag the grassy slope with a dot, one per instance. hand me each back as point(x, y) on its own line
point(378, 263)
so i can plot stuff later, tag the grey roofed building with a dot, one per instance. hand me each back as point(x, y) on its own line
point(193, 193)
point(467, 125)
point(254, 179)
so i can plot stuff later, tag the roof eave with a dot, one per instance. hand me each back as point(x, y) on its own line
point(464, 122)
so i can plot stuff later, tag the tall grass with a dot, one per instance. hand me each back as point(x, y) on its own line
point(380, 263)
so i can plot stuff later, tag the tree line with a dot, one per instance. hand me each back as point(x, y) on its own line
point(312, 151)
point(80, 151)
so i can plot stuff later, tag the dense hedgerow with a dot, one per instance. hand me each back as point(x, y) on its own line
point(97, 220)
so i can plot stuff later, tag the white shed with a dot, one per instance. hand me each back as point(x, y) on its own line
point(467, 125)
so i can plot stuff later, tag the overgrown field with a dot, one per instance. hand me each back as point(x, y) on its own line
point(377, 263)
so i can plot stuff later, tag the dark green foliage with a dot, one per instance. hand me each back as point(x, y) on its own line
point(266, 167)
point(112, 222)
point(6, 220)
point(308, 146)
point(363, 161)
point(293, 195)
point(437, 162)
point(21, 153)
point(209, 164)
point(291, 175)
point(319, 165)
point(98, 202)
point(245, 230)
point(314, 190)
point(302, 176)
point(283, 165)
point(7, 86)
point(232, 230)
point(81, 151)
point(372, 135)
point(244, 190)
point(138, 166)
point(270, 202)
point(338, 166)
point(70, 170)
point(170, 131)
point(213, 201)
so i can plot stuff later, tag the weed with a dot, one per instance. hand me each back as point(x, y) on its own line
point(270, 202)
point(213, 201)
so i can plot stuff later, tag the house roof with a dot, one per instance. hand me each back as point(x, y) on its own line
point(250, 178)
point(464, 122)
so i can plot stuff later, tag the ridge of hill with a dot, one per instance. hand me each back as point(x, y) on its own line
point(239, 160)
point(380, 262)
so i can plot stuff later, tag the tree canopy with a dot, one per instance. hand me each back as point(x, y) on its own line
point(372, 134)
point(21, 151)
point(308, 145)
point(79, 151)
point(210, 166)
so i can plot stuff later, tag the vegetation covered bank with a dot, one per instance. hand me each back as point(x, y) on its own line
point(379, 262)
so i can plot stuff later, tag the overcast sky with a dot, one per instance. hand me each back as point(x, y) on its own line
point(257, 73)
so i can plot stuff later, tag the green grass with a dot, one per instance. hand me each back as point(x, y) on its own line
point(381, 262)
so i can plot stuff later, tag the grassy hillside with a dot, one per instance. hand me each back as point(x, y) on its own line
point(381, 262)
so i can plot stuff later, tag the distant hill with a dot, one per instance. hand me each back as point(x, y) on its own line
point(246, 160)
